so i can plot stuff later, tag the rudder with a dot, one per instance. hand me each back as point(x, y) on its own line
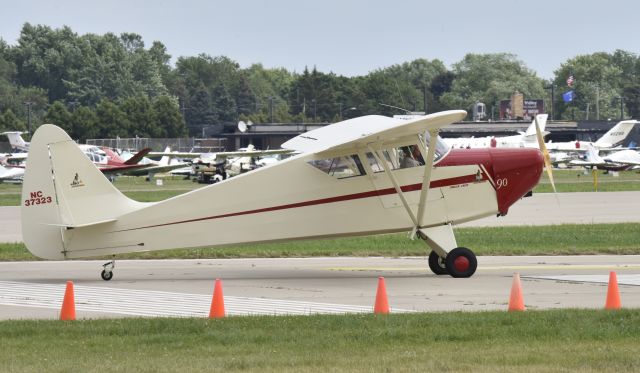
point(62, 189)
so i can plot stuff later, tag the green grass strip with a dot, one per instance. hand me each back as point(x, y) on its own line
point(569, 239)
point(532, 341)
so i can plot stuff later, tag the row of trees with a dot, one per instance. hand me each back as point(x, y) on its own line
point(108, 85)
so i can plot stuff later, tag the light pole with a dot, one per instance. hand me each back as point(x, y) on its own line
point(28, 104)
point(621, 102)
point(552, 87)
point(315, 104)
point(271, 108)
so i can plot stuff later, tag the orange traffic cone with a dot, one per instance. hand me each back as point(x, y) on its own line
point(516, 300)
point(613, 294)
point(217, 303)
point(68, 310)
point(382, 304)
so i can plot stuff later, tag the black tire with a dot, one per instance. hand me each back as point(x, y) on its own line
point(461, 262)
point(437, 264)
point(106, 275)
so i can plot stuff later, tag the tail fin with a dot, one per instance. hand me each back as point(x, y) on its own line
point(616, 135)
point(542, 123)
point(166, 159)
point(63, 190)
point(137, 157)
point(592, 155)
point(16, 141)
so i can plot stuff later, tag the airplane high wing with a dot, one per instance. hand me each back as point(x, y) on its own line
point(367, 175)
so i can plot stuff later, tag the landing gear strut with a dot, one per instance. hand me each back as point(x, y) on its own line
point(107, 272)
point(446, 257)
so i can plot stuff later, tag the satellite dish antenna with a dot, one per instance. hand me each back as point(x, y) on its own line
point(249, 123)
point(242, 126)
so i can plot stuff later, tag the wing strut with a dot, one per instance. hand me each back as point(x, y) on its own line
point(426, 178)
point(379, 158)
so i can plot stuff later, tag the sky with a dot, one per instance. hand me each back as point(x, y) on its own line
point(347, 37)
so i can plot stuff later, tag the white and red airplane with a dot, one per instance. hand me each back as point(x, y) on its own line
point(345, 180)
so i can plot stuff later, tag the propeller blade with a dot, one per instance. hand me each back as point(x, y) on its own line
point(545, 154)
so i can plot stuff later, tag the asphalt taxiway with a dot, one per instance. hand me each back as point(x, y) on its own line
point(308, 285)
point(332, 285)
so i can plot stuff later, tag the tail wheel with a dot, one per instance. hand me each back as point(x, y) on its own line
point(461, 262)
point(437, 264)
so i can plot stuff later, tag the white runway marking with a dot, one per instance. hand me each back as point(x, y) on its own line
point(633, 280)
point(159, 303)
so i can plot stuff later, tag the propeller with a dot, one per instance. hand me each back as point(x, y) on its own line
point(545, 154)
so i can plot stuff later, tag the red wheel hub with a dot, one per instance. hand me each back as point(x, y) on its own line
point(461, 263)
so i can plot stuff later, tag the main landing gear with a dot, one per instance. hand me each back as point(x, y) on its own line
point(446, 257)
point(107, 272)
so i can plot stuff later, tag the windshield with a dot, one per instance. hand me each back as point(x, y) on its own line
point(442, 148)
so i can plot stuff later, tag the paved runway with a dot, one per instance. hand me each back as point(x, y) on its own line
point(308, 286)
point(332, 285)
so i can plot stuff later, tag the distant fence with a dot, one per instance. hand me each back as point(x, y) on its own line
point(176, 144)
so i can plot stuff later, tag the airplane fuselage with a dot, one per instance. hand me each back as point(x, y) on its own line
point(269, 205)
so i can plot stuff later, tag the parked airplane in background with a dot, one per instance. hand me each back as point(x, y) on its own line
point(617, 161)
point(612, 138)
point(347, 179)
point(107, 160)
point(525, 139)
point(11, 174)
point(167, 163)
point(215, 167)
point(16, 141)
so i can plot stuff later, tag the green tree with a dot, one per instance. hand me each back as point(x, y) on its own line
point(490, 78)
point(200, 110)
point(111, 121)
point(139, 112)
point(314, 94)
point(10, 122)
point(85, 124)
point(223, 104)
point(596, 76)
point(59, 115)
point(45, 58)
point(167, 117)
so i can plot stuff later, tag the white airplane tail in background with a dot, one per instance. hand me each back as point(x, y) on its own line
point(16, 141)
point(592, 155)
point(531, 130)
point(616, 135)
point(63, 190)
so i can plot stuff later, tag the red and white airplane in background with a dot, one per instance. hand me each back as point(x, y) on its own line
point(107, 160)
point(346, 179)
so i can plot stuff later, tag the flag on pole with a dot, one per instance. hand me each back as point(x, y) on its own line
point(568, 96)
point(570, 80)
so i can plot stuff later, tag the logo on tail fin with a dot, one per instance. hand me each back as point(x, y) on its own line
point(76, 182)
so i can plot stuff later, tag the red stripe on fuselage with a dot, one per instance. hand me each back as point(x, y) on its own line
point(348, 197)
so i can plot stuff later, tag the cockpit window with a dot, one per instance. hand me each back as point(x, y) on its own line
point(401, 157)
point(340, 167)
point(441, 147)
